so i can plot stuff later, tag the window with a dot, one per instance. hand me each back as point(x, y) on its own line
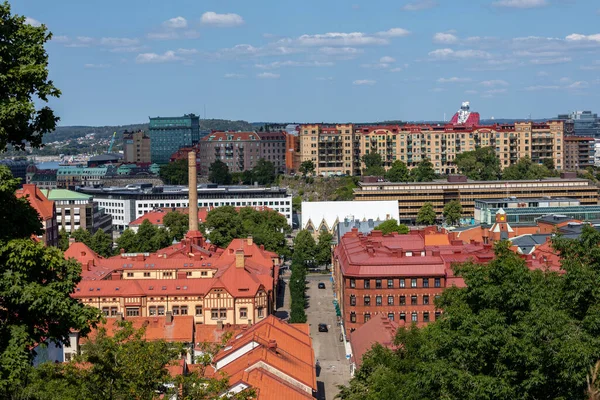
point(367, 300)
point(390, 300)
point(166, 274)
point(133, 312)
point(353, 317)
point(183, 310)
point(367, 284)
point(146, 274)
point(402, 283)
point(113, 311)
point(105, 311)
point(413, 282)
point(425, 299)
point(243, 313)
point(437, 315)
point(390, 283)
point(378, 300)
point(425, 282)
point(214, 313)
point(403, 316)
point(414, 317)
point(413, 300)
point(402, 300)
point(261, 312)
point(437, 282)
point(203, 273)
point(425, 317)
point(352, 283)
point(130, 274)
point(367, 317)
point(198, 310)
point(175, 310)
point(223, 313)
point(188, 273)
point(352, 300)
point(377, 283)
point(391, 316)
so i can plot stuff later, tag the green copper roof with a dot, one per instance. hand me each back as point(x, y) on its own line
point(64, 194)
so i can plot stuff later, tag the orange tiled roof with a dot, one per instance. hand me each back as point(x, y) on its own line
point(36, 198)
point(271, 387)
point(378, 329)
point(181, 329)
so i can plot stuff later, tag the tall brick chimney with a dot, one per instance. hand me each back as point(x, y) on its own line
point(239, 259)
point(193, 191)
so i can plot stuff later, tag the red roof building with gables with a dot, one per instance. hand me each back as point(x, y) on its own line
point(46, 211)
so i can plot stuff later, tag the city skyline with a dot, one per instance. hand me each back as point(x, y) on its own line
point(418, 62)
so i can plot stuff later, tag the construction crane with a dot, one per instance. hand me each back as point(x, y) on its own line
point(112, 141)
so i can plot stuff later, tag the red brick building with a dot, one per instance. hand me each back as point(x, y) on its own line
point(398, 276)
point(46, 210)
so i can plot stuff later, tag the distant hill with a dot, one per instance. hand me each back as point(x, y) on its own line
point(63, 133)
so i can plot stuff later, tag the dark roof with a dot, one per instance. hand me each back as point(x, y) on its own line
point(106, 157)
point(555, 219)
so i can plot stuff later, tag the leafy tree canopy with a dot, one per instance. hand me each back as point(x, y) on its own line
point(24, 82)
point(426, 215)
point(373, 164)
point(264, 172)
point(525, 169)
point(219, 173)
point(177, 223)
point(323, 250)
point(480, 164)
point(423, 172)
point(175, 173)
point(307, 168)
point(17, 218)
point(148, 239)
point(398, 172)
point(453, 212)
point(390, 226)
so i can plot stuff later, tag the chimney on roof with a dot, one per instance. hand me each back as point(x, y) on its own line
point(116, 276)
point(239, 259)
point(435, 252)
point(83, 253)
point(272, 344)
point(249, 322)
point(193, 191)
point(262, 247)
point(90, 264)
point(250, 240)
point(169, 317)
point(139, 257)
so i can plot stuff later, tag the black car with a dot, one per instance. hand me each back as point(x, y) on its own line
point(321, 285)
point(323, 328)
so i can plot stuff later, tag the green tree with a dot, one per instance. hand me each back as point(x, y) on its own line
point(128, 241)
point(549, 164)
point(297, 204)
point(177, 224)
point(144, 237)
point(346, 191)
point(18, 220)
point(373, 164)
point(426, 215)
point(82, 236)
point(423, 172)
point(323, 250)
point(63, 239)
point(525, 169)
point(481, 164)
point(307, 168)
point(511, 333)
point(264, 172)
point(219, 173)
point(224, 224)
point(175, 173)
point(101, 243)
point(452, 212)
point(398, 172)
point(304, 248)
point(391, 225)
point(24, 82)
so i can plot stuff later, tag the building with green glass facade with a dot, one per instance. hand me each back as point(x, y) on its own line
point(168, 134)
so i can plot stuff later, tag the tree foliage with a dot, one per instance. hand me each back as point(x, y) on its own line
point(398, 172)
point(481, 164)
point(453, 212)
point(101, 242)
point(423, 172)
point(305, 254)
point(511, 333)
point(390, 226)
point(177, 223)
point(18, 220)
point(373, 164)
point(63, 239)
point(219, 173)
point(346, 191)
point(525, 169)
point(264, 172)
point(175, 173)
point(426, 214)
point(24, 82)
point(307, 168)
point(148, 239)
point(323, 250)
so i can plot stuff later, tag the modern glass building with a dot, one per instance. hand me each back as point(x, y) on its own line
point(168, 134)
point(582, 123)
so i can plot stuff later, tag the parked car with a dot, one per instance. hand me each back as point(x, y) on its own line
point(321, 285)
point(323, 328)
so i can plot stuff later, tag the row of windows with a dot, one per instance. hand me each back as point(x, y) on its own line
point(414, 316)
point(390, 300)
point(168, 274)
point(215, 313)
point(437, 282)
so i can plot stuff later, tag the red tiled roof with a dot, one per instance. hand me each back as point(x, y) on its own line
point(378, 329)
point(155, 217)
point(181, 329)
point(36, 198)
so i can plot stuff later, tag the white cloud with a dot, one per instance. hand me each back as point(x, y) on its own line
point(454, 79)
point(280, 64)
point(176, 23)
point(520, 3)
point(172, 35)
point(60, 39)
point(96, 66)
point(387, 60)
point(444, 37)
point(394, 32)
point(550, 61)
point(32, 21)
point(324, 78)
point(448, 54)
point(118, 42)
point(131, 49)
point(221, 20)
point(186, 52)
point(340, 39)
point(234, 76)
point(576, 37)
point(268, 75)
point(367, 82)
point(340, 51)
point(541, 87)
point(167, 56)
point(397, 69)
point(578, 85)
point(419, 5)
point(494, 82)
point(496, 91)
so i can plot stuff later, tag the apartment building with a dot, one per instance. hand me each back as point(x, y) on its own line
point(239, 150)
point(76, 210)
point(411, 196)
point(579, 152)
point(46, 210)
point(292, 152)
point(272, 148)
point(68, 177)
point(136, 147)
point(398, 276)
point(338, 149)
point(168, 134)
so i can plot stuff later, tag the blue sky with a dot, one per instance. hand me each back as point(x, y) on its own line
point(118, 62)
